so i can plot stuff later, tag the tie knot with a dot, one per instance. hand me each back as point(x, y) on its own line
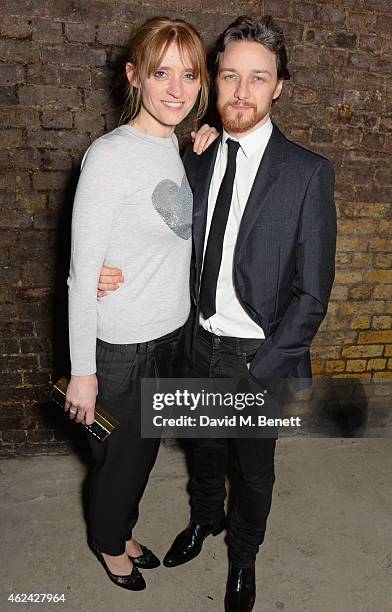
point(232, 147)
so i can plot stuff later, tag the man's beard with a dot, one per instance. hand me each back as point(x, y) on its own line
point(240, 122)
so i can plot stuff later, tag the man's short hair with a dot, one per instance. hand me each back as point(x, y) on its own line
point(263, 31)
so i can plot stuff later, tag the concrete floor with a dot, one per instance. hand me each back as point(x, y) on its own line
point(328, 546)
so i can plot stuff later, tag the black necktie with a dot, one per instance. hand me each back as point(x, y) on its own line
point(213, 253)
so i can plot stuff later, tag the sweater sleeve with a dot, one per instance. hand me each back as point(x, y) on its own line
point(97, 196)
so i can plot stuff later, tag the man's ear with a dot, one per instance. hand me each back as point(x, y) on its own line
point(278, 90)
point(131, 74)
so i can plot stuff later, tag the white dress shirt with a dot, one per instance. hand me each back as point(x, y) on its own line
point(230, 319)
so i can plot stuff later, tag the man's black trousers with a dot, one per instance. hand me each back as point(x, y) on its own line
point(227, 357)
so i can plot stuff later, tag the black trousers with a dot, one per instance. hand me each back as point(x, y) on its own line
point(227, 357)
point(124, 460)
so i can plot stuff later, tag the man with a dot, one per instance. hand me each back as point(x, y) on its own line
point(264, 228)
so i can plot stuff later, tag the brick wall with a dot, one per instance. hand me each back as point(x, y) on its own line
point(60, 90)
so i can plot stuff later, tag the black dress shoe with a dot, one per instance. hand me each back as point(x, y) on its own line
point(189, 542)
point(132, 582)
point(241, 589)
point(147, 560)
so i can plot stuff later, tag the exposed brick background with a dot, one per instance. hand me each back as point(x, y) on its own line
point(59, 90)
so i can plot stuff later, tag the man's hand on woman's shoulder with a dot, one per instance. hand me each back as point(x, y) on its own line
point(203, 137)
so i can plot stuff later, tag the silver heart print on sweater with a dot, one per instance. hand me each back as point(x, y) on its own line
point(174, 205)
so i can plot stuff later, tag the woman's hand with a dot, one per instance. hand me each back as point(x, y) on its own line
point(203, 138)
point(109, 280)
point(80, 398)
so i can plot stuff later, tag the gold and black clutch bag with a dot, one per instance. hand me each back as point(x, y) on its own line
point(103, 424)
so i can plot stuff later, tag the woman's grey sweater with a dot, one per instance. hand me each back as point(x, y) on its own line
point(132, 210)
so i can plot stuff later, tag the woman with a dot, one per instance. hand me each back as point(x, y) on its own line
point(132, 209)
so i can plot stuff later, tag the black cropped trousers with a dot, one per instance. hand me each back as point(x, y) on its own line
point(124, 460)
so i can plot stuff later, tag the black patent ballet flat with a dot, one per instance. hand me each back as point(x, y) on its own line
point(147, 560)
point(132, 582)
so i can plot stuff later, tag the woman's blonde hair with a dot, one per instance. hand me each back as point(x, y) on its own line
point(148, 46)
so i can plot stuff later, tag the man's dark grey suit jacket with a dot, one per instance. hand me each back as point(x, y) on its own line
point(284, 258)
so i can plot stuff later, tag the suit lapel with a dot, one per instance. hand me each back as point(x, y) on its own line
point(270, 169)
point(205, 169)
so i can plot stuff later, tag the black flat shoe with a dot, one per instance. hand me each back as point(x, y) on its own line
point(147, 560)
point(132, 582)
point(241, 589)
point(189, 542)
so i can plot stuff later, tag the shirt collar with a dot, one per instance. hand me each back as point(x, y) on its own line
point(255, 141)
